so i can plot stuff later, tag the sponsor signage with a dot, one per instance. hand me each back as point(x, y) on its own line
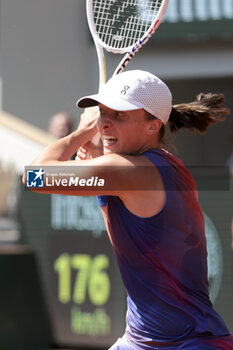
point(197, 19)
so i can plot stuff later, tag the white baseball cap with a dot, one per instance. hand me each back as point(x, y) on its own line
point(131, 90)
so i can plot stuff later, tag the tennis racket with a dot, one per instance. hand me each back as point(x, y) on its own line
point(122, 27)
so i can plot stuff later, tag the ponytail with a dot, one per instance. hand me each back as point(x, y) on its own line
point(198, 115)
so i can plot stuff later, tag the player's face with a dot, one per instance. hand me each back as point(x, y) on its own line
point(122, 132)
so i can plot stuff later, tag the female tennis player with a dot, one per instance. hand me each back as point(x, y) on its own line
point(158, 235)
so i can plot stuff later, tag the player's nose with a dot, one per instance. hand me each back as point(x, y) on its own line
point(104, 123)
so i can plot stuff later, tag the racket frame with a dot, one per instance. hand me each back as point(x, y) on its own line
point(98, 44)
point(130, 50)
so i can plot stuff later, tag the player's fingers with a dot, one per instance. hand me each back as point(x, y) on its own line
point(82, 150)
point(94, 150)
point(90, 115)
point(77, 157)
point(81, 155)
point(90, 146)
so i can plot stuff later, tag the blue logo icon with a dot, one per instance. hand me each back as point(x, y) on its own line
point(35, 178)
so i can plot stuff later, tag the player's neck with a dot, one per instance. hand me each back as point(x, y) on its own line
point(153, 144)
point(149, 146)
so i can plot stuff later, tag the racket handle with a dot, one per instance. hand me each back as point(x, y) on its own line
point(95, 140)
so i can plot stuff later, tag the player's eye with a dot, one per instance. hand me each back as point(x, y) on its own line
point(119, 114)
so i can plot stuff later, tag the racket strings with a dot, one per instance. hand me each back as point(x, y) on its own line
point(121, 23)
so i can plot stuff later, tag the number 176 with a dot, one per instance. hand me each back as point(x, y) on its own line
point(90, 279)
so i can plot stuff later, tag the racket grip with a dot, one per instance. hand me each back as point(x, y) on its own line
point(96, 139)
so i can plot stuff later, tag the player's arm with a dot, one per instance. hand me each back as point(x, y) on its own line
point(121, 174)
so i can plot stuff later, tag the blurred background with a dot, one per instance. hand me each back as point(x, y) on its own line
point(47, 62)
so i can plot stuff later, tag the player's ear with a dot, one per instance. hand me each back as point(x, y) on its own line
point(153, 127)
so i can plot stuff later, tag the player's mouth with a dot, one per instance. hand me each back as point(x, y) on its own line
point(109, 141)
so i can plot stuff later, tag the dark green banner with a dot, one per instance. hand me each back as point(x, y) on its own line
point(197, 18)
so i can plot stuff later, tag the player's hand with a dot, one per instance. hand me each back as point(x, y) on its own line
point(88, 121)
point(89, 150)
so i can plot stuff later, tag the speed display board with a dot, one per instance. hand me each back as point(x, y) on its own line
point(83, 290)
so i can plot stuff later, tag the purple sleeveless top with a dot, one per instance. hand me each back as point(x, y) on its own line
point(163, 261)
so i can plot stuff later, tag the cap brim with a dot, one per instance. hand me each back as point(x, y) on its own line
point(113, 102)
